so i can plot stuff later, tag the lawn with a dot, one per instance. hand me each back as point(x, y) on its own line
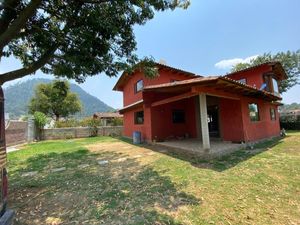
point(109, 181)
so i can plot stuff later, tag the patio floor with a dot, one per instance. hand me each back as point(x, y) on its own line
point(194, 146)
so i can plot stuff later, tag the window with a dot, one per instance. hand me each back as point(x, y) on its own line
point(272, 114)
point(139, 117)
point(275, 86)
point(178, 116)
point(243, 81)
point(139, 86)
point(253, 112)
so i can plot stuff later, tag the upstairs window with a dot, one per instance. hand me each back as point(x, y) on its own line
point(272, 114)
point(275, 86)
point(178, 116)
point(253, 112)
point(139, 85)
point(243, 81)
point(139, 117)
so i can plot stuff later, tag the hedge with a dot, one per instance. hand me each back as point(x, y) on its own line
point(290, 125)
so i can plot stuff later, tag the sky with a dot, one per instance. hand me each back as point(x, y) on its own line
point(207, 39)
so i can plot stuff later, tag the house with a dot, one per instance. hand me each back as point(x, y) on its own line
point(107, 117)
point(177, 104)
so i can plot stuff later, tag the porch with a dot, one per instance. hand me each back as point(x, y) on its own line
point(194, 147)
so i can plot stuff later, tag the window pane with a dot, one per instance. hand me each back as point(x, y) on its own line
point(275, 86)
point(139, 117)
point(273, 114)
point(139, 86)
point(253, 112)
point(178, 116)
point(243, 81)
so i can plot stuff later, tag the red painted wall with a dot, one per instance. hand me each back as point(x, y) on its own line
point(164, 77)
point(231, 121)
point(264, 128)
point(254, 77)
point(162, 123)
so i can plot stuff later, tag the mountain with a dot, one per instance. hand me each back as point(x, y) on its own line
point(17, 97)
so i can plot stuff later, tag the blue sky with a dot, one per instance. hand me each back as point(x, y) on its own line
point(208, 38)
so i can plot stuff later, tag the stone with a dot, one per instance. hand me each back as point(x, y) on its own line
point(29, 174)
point(58, 169)
point(82, 166)
point(121, 159)
point(137, 156)
point(102, 162)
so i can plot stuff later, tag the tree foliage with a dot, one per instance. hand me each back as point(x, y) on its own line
point(75, 38)
point(289, 60)
point(55, 100)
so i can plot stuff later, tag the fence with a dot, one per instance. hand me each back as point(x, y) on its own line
point(16, 132)
point(79, 132)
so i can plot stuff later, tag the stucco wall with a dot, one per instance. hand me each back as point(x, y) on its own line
point(16, 132)
point(79, 132)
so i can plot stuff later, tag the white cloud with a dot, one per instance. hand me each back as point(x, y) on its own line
point(229, 63)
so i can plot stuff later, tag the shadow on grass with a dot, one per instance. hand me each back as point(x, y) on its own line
point(120, 192)
point(221, 163)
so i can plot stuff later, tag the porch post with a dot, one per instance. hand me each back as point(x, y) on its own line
point(204, 122)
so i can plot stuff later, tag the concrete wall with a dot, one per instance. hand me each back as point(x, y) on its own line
point(79, 132)
point(16, 132)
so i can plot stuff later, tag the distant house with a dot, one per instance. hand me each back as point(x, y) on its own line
point(107, 117)
point(237, 107)
point(291, 114)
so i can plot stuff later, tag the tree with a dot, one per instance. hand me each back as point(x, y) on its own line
point(289, 60)
point(55, 100)
point(75, 38)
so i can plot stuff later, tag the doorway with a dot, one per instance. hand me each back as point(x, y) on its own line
point(213, 120)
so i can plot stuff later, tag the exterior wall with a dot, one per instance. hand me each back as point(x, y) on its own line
point(128, 92)
point(163, 126)
point(16, 132)
point(231, 121)
point(265, 127)
point(254, 77)
point(79, 132)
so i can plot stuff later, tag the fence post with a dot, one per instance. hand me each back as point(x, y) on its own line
point(31, 130)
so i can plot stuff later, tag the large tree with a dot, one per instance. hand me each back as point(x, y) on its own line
point(55, 100)
point(289, 60)
point(74, 38)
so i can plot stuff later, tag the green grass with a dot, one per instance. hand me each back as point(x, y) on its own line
point(260, 186)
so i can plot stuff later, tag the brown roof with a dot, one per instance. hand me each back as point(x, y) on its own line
point(125, 76)
point(224, 82)
point(107, 115)
point(277, 68)
point(131, 106)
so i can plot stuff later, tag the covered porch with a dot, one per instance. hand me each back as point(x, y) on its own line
point(194, 147)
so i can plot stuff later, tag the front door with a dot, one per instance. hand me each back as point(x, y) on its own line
point(213, 120)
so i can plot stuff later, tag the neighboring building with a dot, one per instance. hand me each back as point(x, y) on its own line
point(238, 107)
point(290, 114)
point(107, 117)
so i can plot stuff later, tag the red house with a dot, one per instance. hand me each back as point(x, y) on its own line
point(237, 107)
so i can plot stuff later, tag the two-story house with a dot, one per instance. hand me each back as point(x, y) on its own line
point(237, 107)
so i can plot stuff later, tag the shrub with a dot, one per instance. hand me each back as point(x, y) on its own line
point(288, 125)
point(40, 120)
point(67, 123)
point(117, 122)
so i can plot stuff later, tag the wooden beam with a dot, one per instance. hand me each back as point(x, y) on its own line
point(174, 99)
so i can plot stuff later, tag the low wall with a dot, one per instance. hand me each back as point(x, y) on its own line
point(16, 132)
point(79, 132)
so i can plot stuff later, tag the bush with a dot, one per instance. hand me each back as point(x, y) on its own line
point(117, 122)
point(67, 123)
point(288, 125)
point(40, 119)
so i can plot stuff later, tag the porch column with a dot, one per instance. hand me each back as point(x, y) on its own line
point(204, 122)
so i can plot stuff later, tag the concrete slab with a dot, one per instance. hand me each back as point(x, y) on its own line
point(194, 146)
point(58, 169)
point(29, 174)
point(102, 162)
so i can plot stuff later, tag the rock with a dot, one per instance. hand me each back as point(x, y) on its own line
point(82, 166)
point(121, 159)
point(102, 162)
point(58, 169)
point(137, 156)
point(29, 174)
point(45, 214)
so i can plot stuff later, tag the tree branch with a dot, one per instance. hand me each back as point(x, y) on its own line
point(29, 69)
point(18, 24)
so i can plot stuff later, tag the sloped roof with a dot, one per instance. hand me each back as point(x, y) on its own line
point(125, 76)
